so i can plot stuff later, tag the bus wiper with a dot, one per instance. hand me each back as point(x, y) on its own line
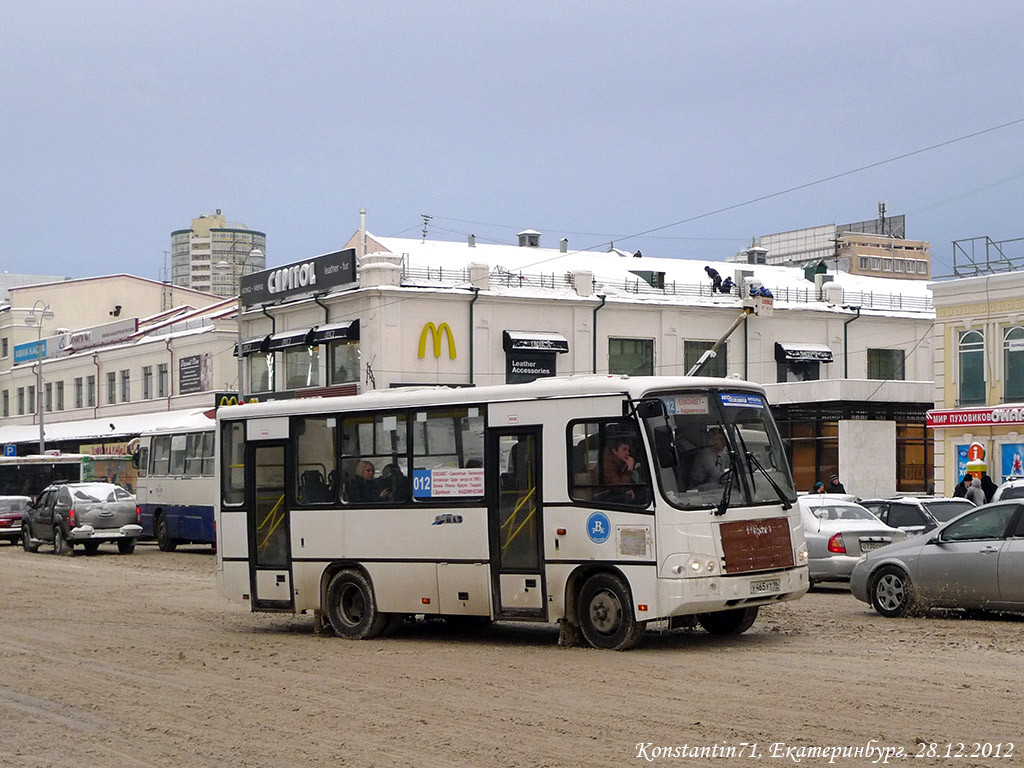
point(723, 505)
point(775, 486)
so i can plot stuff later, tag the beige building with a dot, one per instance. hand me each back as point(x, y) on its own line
point(979, 376)
point(110, 358)
point(213, 254)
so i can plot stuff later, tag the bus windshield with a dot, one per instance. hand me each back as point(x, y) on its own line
point(717, 449)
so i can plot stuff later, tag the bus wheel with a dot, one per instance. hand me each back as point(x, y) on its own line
point(734, 622)
point(605, 613)
point(163, 537)
point(352, 608)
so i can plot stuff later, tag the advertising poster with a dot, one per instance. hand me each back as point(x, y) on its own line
point(1012, 461)
point(961, 461)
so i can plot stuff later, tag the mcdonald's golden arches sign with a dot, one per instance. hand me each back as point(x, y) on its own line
point(438, 333)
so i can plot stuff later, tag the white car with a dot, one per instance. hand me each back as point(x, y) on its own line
point(1011, 489)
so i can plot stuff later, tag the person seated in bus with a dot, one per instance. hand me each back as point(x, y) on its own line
point(312, 487)
point(711, 461)
point(363, 487)
point(617, 468)
point(394, 483)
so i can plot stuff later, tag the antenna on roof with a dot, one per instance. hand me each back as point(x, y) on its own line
point(426, 221)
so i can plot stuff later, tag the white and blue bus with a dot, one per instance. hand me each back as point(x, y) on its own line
point(598, 503)
point(176, 489)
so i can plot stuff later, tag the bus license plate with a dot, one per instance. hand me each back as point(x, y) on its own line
point(764, 586)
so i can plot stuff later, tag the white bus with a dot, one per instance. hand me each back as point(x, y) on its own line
point(176, 486)
point(512, 503)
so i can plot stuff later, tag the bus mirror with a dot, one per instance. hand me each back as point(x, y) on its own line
point(650, 408)
point(664, 448)
point(135, 458)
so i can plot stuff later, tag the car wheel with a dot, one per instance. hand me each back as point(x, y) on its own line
point(605, 613)
point(126, 546)
point(734, 622)
point(26, 540)
point(61, 546)
point(892, 593)
point(352, 607)
point(91, 547)
point(163, 536)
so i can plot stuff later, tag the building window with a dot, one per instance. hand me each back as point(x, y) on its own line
point(48, 396)
point(147, 382)
point(344, 362)
point(634, 357)
point(886, 364)
point(1013, 364)
point(972, 368)
point(715, 366)
point(302, 367)
point(162, 389)
point(31, 398)
point(126, 386)
point(60, 395)
point(21, 401)
point(7, 403)
point(79, 392)
point(261, 372)
point(111, 388)
point(3, 347)
point(813, 447)
point(914, 459)
point(90, 391)
point(799, 370)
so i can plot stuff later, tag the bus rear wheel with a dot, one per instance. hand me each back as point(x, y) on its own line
point(734, 622)
point(352, 607)
point(605, 613)
point(163, 536)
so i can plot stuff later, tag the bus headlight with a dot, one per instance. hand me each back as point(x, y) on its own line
point(697, 566)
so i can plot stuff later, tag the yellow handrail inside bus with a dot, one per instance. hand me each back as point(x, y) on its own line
point(275, 516)
point(519, 506)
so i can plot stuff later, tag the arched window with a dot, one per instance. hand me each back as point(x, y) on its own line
point(972, 368)
point(1013, 364)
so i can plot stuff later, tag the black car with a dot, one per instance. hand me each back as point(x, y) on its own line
point(914, 514)
point(65, 514)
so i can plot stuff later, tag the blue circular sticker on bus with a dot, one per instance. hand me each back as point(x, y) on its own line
point(598, 527)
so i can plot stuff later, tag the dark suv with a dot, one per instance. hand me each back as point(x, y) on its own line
point(915, 514)
point(65, 514)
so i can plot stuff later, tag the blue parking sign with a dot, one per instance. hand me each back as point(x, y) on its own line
point(10, 450)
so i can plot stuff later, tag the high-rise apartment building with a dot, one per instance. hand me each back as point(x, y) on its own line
point(213, 254)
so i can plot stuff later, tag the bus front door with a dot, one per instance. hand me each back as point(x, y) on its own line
point(515, 523)
point(268, 520)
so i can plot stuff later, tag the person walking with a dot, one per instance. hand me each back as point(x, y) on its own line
point(834, 486)
point(716, 279)
point(974, 493)
point(961, 488)
point(987, 486)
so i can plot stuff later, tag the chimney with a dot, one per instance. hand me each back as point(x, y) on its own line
point(479, 276)
point(471, 240)
point(563, 245)
point(529, 238)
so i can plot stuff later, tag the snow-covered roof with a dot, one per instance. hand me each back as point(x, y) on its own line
point(615, 274)
point(109, 428)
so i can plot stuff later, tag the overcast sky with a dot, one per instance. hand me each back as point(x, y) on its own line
point(595, 121)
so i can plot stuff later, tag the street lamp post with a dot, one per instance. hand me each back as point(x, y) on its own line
point(44, 314)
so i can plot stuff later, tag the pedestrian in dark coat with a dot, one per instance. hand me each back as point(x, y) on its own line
point(961, 488)
point(716, 279)
point(987, 486)
point(834, 486)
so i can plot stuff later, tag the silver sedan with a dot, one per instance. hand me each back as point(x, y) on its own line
point(974, 562)
point(838, 532)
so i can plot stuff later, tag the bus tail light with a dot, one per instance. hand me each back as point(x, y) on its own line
point(835, 544)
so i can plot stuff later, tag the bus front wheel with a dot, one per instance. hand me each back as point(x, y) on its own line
point(605, 613)
point(352, 607)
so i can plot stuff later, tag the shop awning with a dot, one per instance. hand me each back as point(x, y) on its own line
point(801, 352)
point(347, 331)
point(251, 346)
point(536, 341)
point(286, 339)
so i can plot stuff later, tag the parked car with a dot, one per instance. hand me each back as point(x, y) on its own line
point(915, 514)
point(11, 510)
point(974, 562)
point(66, 514)
point(838, 532)
point(1011, 489)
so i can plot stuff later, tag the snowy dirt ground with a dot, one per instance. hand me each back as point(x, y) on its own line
point(112, 660)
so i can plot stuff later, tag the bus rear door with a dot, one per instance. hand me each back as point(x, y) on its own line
point(268, 521)
point(515, 522)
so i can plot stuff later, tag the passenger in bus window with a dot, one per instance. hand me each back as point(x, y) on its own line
point(711, 461)
point(363, 487)
point(395, 483)
point(617, 466)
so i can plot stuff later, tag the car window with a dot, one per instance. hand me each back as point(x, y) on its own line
point(987, 523)
point(64, 496)
point(13, 505)
point(1019, 533)
point(122, 495)
point(878, 509)
point(1012, 492)
point(840, 512)
point(944, 511)
point(905, 514)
